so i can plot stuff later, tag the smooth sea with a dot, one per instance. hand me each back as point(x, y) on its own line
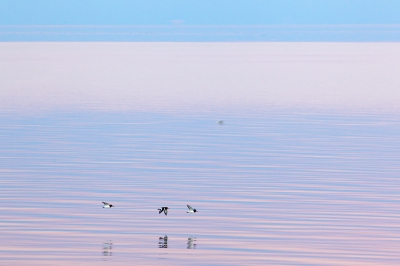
point(271, 188)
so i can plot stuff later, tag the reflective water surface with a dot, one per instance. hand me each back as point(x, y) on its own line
point(270, 189)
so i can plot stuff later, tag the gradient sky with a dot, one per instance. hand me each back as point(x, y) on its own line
point(198, 12)
point(179, 76)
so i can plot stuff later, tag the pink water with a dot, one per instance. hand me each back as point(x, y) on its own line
point(271, 189)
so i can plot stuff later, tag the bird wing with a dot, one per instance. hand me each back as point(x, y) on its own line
point(166, 211)
point(190, 208)
point(105, 203)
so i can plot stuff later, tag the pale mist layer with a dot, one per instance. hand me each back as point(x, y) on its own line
point(199, 76)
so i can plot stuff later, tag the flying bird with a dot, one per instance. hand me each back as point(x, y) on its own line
point(107, 205)
point(191, 210)
point(163, 209)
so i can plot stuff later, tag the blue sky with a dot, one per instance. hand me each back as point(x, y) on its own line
point(198, 12)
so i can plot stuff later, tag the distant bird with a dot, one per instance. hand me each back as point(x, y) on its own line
point(191, 210)
point(163, 209)
point(220, 122)
point(190, 243)
point(107, 205)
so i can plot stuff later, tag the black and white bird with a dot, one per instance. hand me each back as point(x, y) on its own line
point(107, 205)
point(191, 210)
point(163, 209)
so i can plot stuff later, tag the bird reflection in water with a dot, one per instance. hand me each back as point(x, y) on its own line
point(191, 243)
point(107, 249)
point(163, 242)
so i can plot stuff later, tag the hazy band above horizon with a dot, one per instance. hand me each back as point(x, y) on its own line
point(199, 76)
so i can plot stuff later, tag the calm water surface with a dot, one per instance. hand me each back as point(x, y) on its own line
point(278, 189)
